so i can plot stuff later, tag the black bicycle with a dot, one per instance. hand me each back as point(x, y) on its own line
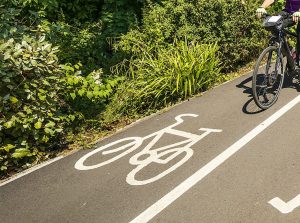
point(274, 62)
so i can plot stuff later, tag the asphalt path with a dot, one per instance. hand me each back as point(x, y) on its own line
point(214, 158)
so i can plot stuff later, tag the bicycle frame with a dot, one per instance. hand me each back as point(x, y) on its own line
point(283, 44)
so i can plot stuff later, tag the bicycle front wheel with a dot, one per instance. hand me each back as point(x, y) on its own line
point(268, 77)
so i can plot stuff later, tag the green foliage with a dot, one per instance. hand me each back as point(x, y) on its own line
point(9, 25)
point(166, 75)
point(279, 6)
point(85, 44)
point(36, 99)
point(68, 64)
point(162, 52)
point(83, 29)
point(87, 37)
point(231, 24)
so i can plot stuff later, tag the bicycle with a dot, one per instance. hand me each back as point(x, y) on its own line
point(176, 153)
point(270, 68)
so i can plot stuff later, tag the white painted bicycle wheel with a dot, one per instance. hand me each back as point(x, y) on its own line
point(129, 147)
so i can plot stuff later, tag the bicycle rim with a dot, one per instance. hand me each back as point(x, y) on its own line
point(268, 78)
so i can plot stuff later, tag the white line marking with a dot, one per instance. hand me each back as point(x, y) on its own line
point(169, 198)
point(162, 155)
point(17, 176)
point(283, 207)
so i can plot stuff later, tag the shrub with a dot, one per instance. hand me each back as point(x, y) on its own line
point(9, 22)
point(166, 75)
point(36, 97)
point(230, 24)
point(170, 50)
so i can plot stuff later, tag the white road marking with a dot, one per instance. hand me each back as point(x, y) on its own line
point(17, 176)
point(169, 198)
point(161, 156)
point(283, 207)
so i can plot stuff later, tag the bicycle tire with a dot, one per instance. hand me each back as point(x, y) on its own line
point(268, 78)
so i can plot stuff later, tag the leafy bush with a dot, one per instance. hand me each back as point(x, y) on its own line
point(10, 25)
point(278, 7)
point(230, 24)
point(36, 99)
point(169, 74)
point(170, 50)
point(162, 52)
point(86, 37)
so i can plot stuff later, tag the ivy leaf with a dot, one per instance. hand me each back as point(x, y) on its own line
point(8, 124)
point(42, 97)
point(13, 99)
point(89, 94)
point(20, 153)
point(21, 114)
point(70, 81)
point(3, 168)
point(49, 131)
point(72, 117)
point(7, 148)
point(26, 126)
point(50, 124)
point(73, 95)
point(34, 63)
point(76, 80)
point(81, 92)
point(38, 125)
point(45, 138)
point(13, 30)
point(27, 110)
point(6, 56)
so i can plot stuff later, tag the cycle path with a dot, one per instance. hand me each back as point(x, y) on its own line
point(261, 183)
point(236, 191)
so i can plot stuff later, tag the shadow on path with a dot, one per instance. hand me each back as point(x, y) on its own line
point(249, 107)
point(291, 82)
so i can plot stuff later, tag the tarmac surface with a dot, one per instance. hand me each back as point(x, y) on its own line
point(214, 158)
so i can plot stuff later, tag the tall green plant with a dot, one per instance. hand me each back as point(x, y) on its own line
point(172, 73)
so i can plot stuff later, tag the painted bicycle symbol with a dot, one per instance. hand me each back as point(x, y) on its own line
point(148, 155)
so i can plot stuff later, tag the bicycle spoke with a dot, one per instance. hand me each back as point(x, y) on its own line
point(266, 85)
